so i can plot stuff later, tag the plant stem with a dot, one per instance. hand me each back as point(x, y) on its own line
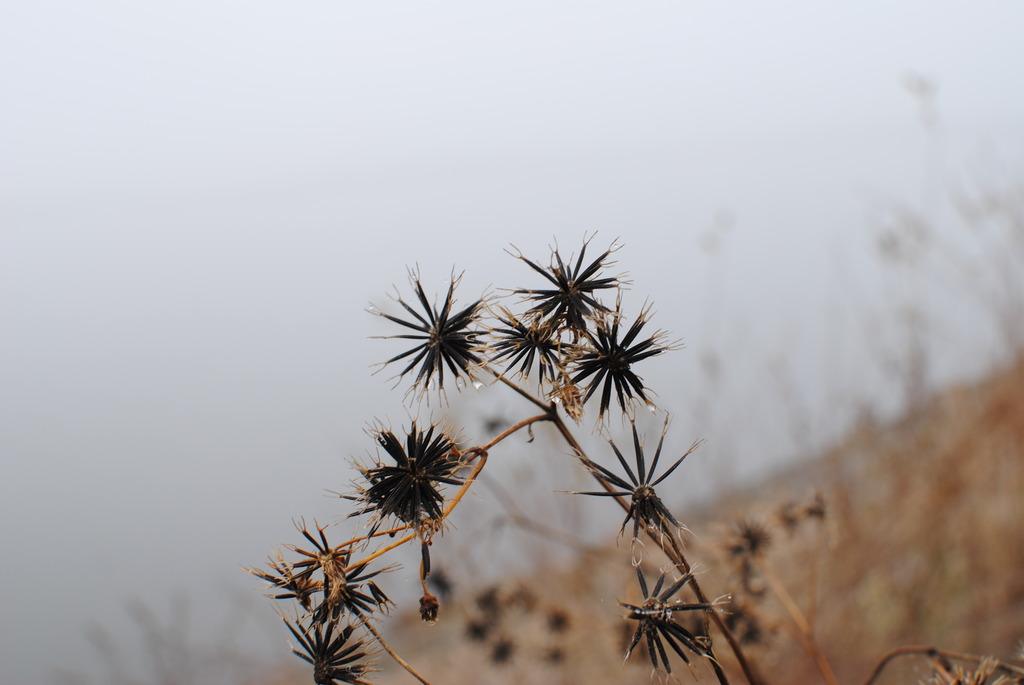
point(480, 462)
point(519, 426)
point(380, 552)
point(677, 557)
point(804, 633)
point(376, 534)
point(401, 662)
point(523, 393)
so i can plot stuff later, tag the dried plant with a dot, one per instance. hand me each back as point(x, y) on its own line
point(574, 347)
point(448, 339)
point(572, 303)
point(608, 361)
point(334, 658)
point(646, 508)
point(655, 618)
point(571, 346)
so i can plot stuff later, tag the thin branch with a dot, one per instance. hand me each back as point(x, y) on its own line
point(501, 377)
point(373, 631)
point(391, 532)
point(519, 426)
point(482, 454)
point(804, 632)
point(380, 552)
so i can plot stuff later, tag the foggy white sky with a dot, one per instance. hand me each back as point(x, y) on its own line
point(198, 199)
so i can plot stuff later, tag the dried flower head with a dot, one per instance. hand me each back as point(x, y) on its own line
point(502, 651)
point(608, 362)
point(334, 659)
point(789, 515)
point(558, 621)
point(750, 539)
point(525, 341)
point(947, 674)
point(325, 571)
point(408, 489)
point(448, 339)
point(430, 607)
point(573, 298)
point(282, 577)
point(645, 506)
point(489, 601)
point(345, 588)
point(566, 394)
point(554, 655)
point(478, 629)
point(655, 618)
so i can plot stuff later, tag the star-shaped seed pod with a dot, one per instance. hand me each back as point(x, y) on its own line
point(335, 659)
point(447, 339)
point(655, 618)
point(573, 298)
point(408, 489)
point(646, 509)
point(608, 363)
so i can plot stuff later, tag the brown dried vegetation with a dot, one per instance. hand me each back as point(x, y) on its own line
point(903, 534)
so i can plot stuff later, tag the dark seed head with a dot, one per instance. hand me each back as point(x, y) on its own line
point(558, 621)
point(478, 630)
point(408, 489)
point(571, 300)
point(445, 339)
point(607, 363)
point(502, 651)
point(429, 608)
point(751, 539)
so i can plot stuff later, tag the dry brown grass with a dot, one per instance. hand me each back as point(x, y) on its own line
point(923, 543)
point(928, 540)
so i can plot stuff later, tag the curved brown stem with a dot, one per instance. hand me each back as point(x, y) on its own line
point(401, 662)
point(509, 431)
point(804, 632)
point(520, 391)
point(392, 532)
point(383, 550)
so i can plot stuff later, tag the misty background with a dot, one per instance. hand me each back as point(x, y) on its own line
point(198, 201)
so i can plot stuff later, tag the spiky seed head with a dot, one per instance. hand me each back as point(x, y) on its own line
point(572, 300)
point(446, 338)
point(409, 488)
